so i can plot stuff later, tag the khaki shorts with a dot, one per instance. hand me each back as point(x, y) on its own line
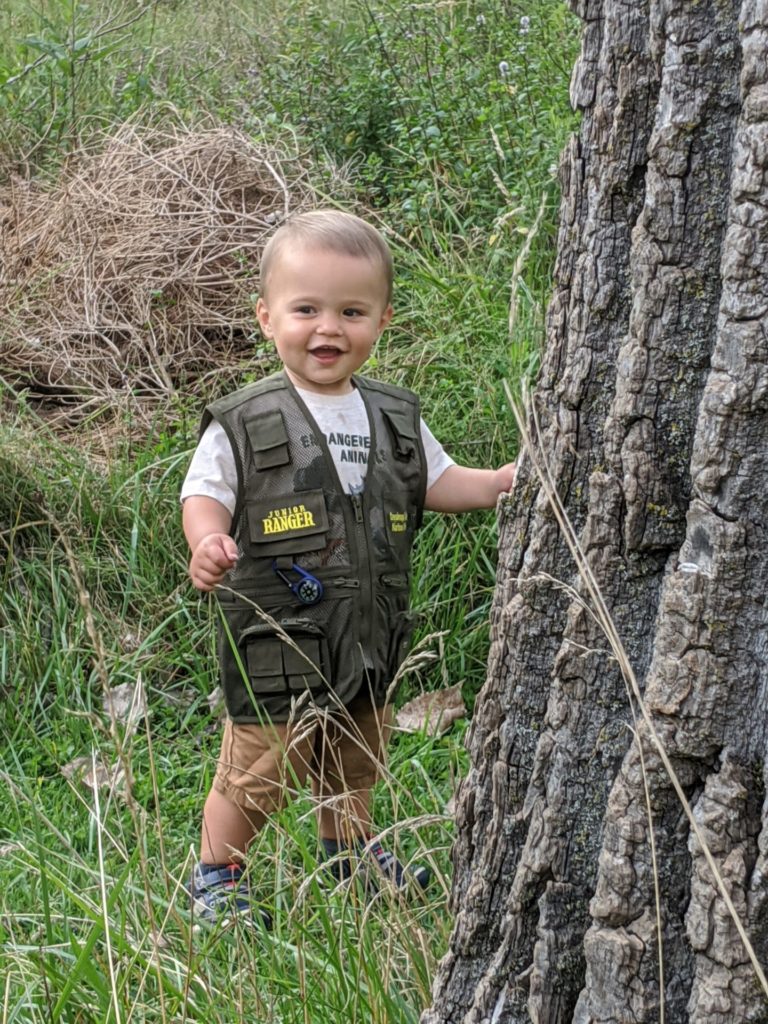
point(340, 752)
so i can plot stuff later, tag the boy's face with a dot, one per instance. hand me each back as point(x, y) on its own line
point(324, 311)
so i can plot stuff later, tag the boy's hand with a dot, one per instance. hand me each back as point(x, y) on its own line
point(463, 488)
point(505, 477)
point(211, 560)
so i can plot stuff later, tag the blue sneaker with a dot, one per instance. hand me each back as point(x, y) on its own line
point(401, 877)
point(220, 895)
point(342, 868)
point(338, 866)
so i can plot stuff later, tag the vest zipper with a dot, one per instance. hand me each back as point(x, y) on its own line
point(363, 544)
point(360, 548)
point(330, 583)
point(399, 581)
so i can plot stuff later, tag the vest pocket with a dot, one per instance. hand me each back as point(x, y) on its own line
point(404, 434)
point(400, 640)
point(268, 438)
point(264, 665)
point(287, 524)
point(294, 662)
point(401, 521)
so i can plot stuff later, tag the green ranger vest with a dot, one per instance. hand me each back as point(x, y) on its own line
point(292, 512)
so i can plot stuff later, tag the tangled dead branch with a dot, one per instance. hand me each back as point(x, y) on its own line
point(133, 275)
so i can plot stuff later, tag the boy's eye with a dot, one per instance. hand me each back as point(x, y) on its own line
point(305, 309)
point(352, 312)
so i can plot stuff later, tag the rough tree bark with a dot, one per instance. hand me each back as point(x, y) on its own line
point(653, 411)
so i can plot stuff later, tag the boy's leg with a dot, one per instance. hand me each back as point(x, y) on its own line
point(256, 770)
point(346, 818)
point(259, 766)
point(228, 828)
point(349, 757)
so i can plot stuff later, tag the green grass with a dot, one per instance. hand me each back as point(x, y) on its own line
point(453, 159)
point(90, 887)
point(108, 937)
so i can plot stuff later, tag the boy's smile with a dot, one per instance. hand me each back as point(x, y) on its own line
point(324, 310)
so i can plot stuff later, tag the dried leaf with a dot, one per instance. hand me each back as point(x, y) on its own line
point(434, 712)
point(180, 697)
point(82, 770)
point(215, 700)
point(131, 642)
point(159, 940)
point(126, 703)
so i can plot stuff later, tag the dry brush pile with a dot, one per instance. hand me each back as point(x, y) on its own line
point(132, 275)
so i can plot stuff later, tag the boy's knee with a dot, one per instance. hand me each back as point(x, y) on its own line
point(255, 772)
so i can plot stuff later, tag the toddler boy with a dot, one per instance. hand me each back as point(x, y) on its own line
point(302, 500)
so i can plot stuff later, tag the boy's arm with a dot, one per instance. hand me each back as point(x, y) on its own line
point(462, 488)
point(206, 526)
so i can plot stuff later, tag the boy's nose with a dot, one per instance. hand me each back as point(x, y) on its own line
point(328, 324)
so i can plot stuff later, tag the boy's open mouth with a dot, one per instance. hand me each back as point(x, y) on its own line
point(325, 352)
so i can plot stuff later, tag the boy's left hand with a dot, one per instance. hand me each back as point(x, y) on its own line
point(505, 477)
point(464, 488)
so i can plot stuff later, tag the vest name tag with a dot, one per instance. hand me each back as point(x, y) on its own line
point(285, 520)
point(288, 517)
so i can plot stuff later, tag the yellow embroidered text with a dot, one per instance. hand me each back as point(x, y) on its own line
point(398, 522)
point(281, 520)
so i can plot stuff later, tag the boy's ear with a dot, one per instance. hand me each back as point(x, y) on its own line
point(262, 315)
point(386, 316)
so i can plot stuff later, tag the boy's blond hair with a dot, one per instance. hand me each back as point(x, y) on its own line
point(333, 230)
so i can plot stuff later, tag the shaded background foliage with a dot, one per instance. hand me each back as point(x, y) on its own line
point(444, 122)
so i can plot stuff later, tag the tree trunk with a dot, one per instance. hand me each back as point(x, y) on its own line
point(652, 408)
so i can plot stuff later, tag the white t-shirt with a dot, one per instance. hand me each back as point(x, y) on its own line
point(344, 422)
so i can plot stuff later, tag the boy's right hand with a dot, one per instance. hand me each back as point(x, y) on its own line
point(211, 560)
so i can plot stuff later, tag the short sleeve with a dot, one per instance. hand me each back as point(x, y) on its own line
point(212, 472)
point(438, 459)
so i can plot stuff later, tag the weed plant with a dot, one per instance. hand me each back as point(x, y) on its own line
point(446, 113)
point(448, 117)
